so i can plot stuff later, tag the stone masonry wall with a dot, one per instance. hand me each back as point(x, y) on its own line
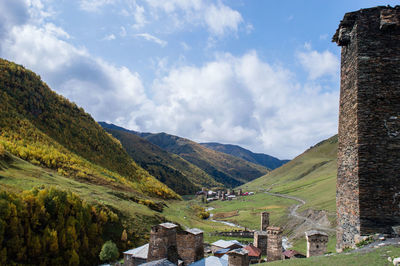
point(274, 246)
point(264, 221)
point(261, 241)
point(368, 187)
point(163, 244)
point(190, 247)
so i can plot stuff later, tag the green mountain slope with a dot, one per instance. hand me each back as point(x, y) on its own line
point(265, 160)
point(46, 129)
point(310, 176)
point(226, 169)
point(180, 175)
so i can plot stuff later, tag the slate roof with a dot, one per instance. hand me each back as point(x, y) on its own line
point(194, 231)
point(168, 225)
point(226, 244)
point(139, 252)
point(162, 262)
point(315, 232)
point(212, 261)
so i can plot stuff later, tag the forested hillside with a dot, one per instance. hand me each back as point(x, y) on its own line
point(46, 129)
point(226, 169)
point(180, 175)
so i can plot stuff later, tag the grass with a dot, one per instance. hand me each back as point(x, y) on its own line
point(310, 176)
point(248, 211)
point(17, 175)
point(375, 257)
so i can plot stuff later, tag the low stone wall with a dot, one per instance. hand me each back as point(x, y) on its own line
point(235, 233)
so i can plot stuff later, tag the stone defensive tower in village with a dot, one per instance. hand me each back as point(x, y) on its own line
point(190, 245)
point(368, 181)
point(264, 221)
point(274, 246)
point(317, 242)
point(163, 243)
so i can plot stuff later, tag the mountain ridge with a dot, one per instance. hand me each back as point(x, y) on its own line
point(265, 160)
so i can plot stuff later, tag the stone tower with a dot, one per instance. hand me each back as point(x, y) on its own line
point(368, 181)
point(316, 243)
point(264, 221)
point(238, 257)
point(274, 246)
point(260, 241)
point(162, 243)
point(190, 245)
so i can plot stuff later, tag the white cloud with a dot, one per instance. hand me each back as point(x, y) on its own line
point(109, 37)
point(221, 18)
point(94, 5)
point(151, 38)
point(139, 16)
point(242, 100)
point(319, 64)
point(232, 99)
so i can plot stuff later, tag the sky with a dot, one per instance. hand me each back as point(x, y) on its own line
point(262, 74)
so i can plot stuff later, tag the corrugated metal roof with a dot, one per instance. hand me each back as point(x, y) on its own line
point(253, 251)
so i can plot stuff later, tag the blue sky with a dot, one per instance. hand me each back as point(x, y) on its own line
point(262, 74)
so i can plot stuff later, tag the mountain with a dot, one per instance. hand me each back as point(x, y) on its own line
point(180, 175)
point(46, 129)
point(223, 168)
point(237, 151)
point(310, 176)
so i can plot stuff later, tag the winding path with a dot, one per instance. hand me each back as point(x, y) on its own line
point(293, 212)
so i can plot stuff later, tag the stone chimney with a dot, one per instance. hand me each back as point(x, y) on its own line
point(316, 243)
point(190, 245)
point(274, 245)
point(162, 243)
point(238, 257)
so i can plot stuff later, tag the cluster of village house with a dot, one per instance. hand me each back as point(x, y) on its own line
point(222, 195)
point(169, 246)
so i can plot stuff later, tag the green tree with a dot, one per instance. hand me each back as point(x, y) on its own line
point(109, 252)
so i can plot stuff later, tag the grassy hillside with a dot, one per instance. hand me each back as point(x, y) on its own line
point(46, 129)
point(310, 176)
point(265, 160)
point(17, 175)
point(180, 175)
point(226, 169)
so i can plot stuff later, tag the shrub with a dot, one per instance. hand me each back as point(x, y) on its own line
point(109, 252)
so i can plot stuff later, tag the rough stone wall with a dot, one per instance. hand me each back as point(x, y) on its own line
point(264, 221)
point(368, 187)
point(238, 259)
point(274, 245)
point(163, 244)
point(190, 247)
point(316, 245)
point(261, 241)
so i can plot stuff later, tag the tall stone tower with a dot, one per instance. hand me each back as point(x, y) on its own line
point(163, 243)
point(317, 242)
point(368, 181)
point(190, 245)
point(274, 246)
point(264, 221)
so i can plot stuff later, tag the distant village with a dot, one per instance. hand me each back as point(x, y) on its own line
point(223, 195)
point(169, 245)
